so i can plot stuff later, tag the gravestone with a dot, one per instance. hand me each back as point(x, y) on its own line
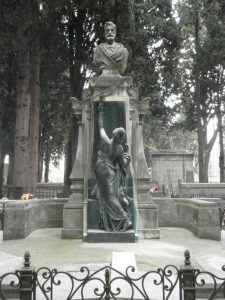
point(110, 178)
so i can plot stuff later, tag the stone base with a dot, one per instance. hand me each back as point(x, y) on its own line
point(148, 221)
point(149, 234)
point(72, 234)
point(199, 216)
point(101, 236)
point(72, 221)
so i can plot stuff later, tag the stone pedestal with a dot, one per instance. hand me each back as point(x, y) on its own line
point(101, 236)
point(148, 212)
point(122, 109)
point(73, 220)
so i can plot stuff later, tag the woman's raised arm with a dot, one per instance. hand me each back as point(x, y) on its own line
point(103, 134)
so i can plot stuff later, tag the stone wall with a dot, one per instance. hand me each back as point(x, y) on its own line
point(170, 166)
point(23, 217)
point(199, 216)
point(202, 190)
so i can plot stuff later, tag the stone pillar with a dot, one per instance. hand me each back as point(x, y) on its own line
point(148, 210)
point(113, 89)
point(73, 210)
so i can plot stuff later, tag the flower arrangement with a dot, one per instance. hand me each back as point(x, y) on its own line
point(26, 196)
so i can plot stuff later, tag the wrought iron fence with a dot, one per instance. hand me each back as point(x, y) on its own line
point(184, 283)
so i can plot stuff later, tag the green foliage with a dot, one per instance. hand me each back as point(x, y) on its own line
point(153, 46)
point(162, 62)
point(211, 57)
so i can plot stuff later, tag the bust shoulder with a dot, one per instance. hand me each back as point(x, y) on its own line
point(98, 48)
point(119, 45)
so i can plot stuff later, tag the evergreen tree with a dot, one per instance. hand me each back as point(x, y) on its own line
point(198, 65)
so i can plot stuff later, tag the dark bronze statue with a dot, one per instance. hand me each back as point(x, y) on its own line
point(115, 207)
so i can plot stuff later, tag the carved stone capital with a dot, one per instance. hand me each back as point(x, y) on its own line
point(86, 96)
point(143, 185)
point(132, 106)
point(143, 106)
point(132, 92)
point(77, 107)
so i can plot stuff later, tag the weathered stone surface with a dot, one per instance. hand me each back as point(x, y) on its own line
point(122, 108)
point(73, 221)
point(199, 216)
point(101, 236)
point(169, 166)
point(23, 217)
point(110, 57)
point(202, 190)
point(110, 86)
point(148, 221)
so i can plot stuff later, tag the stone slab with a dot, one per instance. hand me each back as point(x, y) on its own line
point(122, 260)
point(149, 233)
point(71, 233)
point(101, 236)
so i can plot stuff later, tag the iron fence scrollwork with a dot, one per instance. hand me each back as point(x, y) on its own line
point(170, 282)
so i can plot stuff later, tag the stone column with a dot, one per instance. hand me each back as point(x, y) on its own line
point(73, 210)
point(148, 210)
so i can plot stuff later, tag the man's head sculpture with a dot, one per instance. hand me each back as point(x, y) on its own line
point(110, 57)
point(110, 32)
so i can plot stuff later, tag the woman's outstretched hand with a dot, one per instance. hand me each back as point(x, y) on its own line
point(100, 106)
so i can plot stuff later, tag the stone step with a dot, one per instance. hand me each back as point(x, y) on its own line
point(101, 236)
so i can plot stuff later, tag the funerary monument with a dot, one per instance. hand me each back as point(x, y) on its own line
point(110, 199)
point(110, 178)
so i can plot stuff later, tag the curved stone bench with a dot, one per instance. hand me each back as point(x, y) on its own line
point(23, 217)
point(199, 216)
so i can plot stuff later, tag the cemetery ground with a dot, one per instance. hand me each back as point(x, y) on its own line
point(48, 249)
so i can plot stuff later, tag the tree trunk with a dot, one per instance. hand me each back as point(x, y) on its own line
point(47, 163)
point(198, 102)
point(10, 170)
point(1, 146)
point(68, 160)
point(75, 90)
point(207, 151)
point(35, 99)
point(220, 130)
point(40, 159)
point(21, 153)
point(1, 170)
point(71, 150)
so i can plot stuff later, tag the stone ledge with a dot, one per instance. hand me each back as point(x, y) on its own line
point(198, 216)
point(101, 236)
point(149, 233)
point(23, 217)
